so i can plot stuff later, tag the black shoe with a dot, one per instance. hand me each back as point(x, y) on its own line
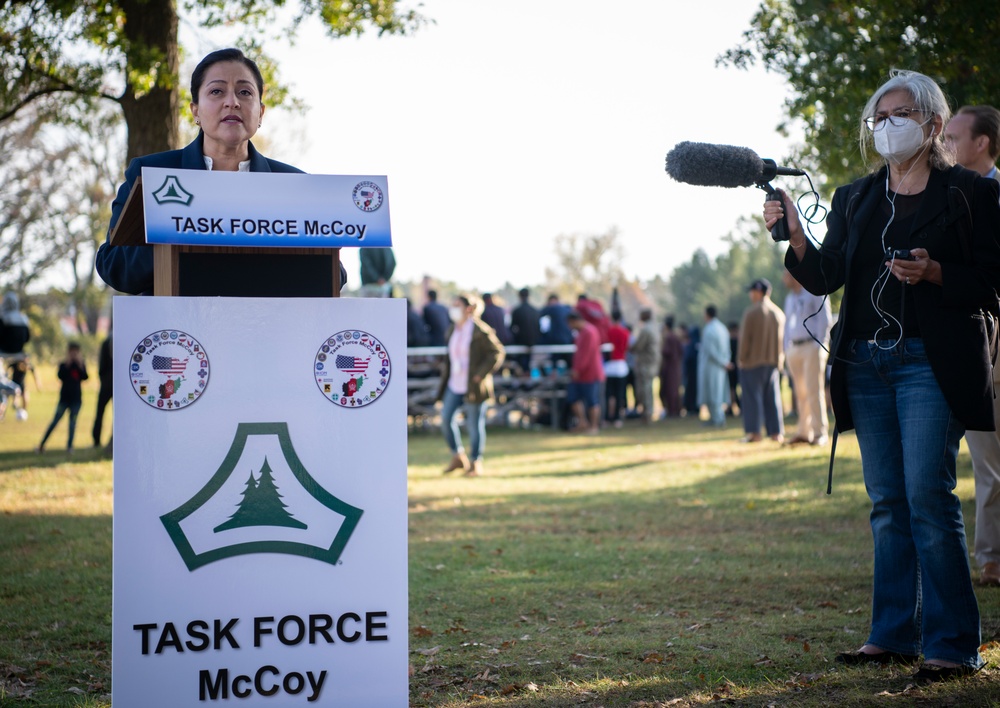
point(857, 658)
point(931, 673)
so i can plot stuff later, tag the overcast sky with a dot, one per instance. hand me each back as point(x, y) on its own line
point(501, 126)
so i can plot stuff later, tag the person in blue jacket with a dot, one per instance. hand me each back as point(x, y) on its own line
point(226, 100)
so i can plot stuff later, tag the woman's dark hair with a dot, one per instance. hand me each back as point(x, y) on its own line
point(218, 56)
point(470, 300)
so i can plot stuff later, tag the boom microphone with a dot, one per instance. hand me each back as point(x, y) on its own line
point(708, 165)
point(729, 166)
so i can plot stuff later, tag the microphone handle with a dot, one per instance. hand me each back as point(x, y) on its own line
point(779, 232)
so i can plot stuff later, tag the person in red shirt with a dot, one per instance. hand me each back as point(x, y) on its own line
point(616, 372)
point(586, 373)
point(593, 312)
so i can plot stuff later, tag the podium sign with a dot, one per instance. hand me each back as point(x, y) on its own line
point(265, 209)
point(260, 502)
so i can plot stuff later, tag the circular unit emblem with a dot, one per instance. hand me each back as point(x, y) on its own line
point(367, 196)
point(169, 370)
point(352, 368)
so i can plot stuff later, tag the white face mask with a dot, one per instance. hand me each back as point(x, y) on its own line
point(457, 314)
point(899, 143)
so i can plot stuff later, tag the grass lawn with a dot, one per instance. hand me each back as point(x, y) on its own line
point(654, 566)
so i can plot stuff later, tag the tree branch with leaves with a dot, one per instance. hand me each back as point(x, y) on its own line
point(835, 54)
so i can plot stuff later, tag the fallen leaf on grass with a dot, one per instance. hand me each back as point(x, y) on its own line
point(429, 652)
point(764, 661)
point(12, 671)
point(16, 689)
point(723, 691)
point(577, 657)
point(655, 657)
point(422, 631)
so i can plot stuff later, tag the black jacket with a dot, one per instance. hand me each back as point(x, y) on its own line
point(951, 323)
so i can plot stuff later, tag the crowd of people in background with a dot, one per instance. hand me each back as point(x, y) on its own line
point(656, 369)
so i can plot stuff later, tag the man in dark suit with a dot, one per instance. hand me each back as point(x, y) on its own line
point(495, 317)
point(524, 326)
point(437, 319)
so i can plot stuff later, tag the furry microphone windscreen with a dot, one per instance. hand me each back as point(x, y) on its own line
point(710, 165)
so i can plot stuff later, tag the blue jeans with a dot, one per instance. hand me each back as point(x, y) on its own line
point(74, 410)
point(922, 596)
point(475, 420)
point(761, 402)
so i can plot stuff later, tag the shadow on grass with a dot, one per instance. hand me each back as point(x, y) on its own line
point(55, 628)
point(19, 460)
point(739, 586)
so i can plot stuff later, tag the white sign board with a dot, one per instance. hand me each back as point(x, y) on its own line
point(260, 502)
point(202, 207)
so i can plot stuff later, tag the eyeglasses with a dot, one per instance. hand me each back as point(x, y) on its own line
point(897, 118)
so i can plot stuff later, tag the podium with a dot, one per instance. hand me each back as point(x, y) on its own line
point(260, 502)
point(233, 271)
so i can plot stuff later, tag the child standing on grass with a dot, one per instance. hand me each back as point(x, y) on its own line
point(72, 373)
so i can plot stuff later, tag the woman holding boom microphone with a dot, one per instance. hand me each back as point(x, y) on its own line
point(227, 92)
point(915, 247)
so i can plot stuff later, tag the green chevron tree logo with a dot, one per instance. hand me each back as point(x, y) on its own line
point(172, 191)
point(261, 505)
point(261, 499)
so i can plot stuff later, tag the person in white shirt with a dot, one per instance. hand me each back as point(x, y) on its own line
point(807, 338)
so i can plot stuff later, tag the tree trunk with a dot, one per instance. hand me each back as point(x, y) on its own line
point(152, 117)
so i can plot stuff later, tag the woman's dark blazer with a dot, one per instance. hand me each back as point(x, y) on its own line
point(951, 323)
point(129, 269)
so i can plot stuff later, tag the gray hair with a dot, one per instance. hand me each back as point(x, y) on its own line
point(927, 97)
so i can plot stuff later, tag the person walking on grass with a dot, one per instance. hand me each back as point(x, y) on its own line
point(474, 355)
point(72, 373)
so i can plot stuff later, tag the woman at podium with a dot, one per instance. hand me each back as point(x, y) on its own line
point(227, 91)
